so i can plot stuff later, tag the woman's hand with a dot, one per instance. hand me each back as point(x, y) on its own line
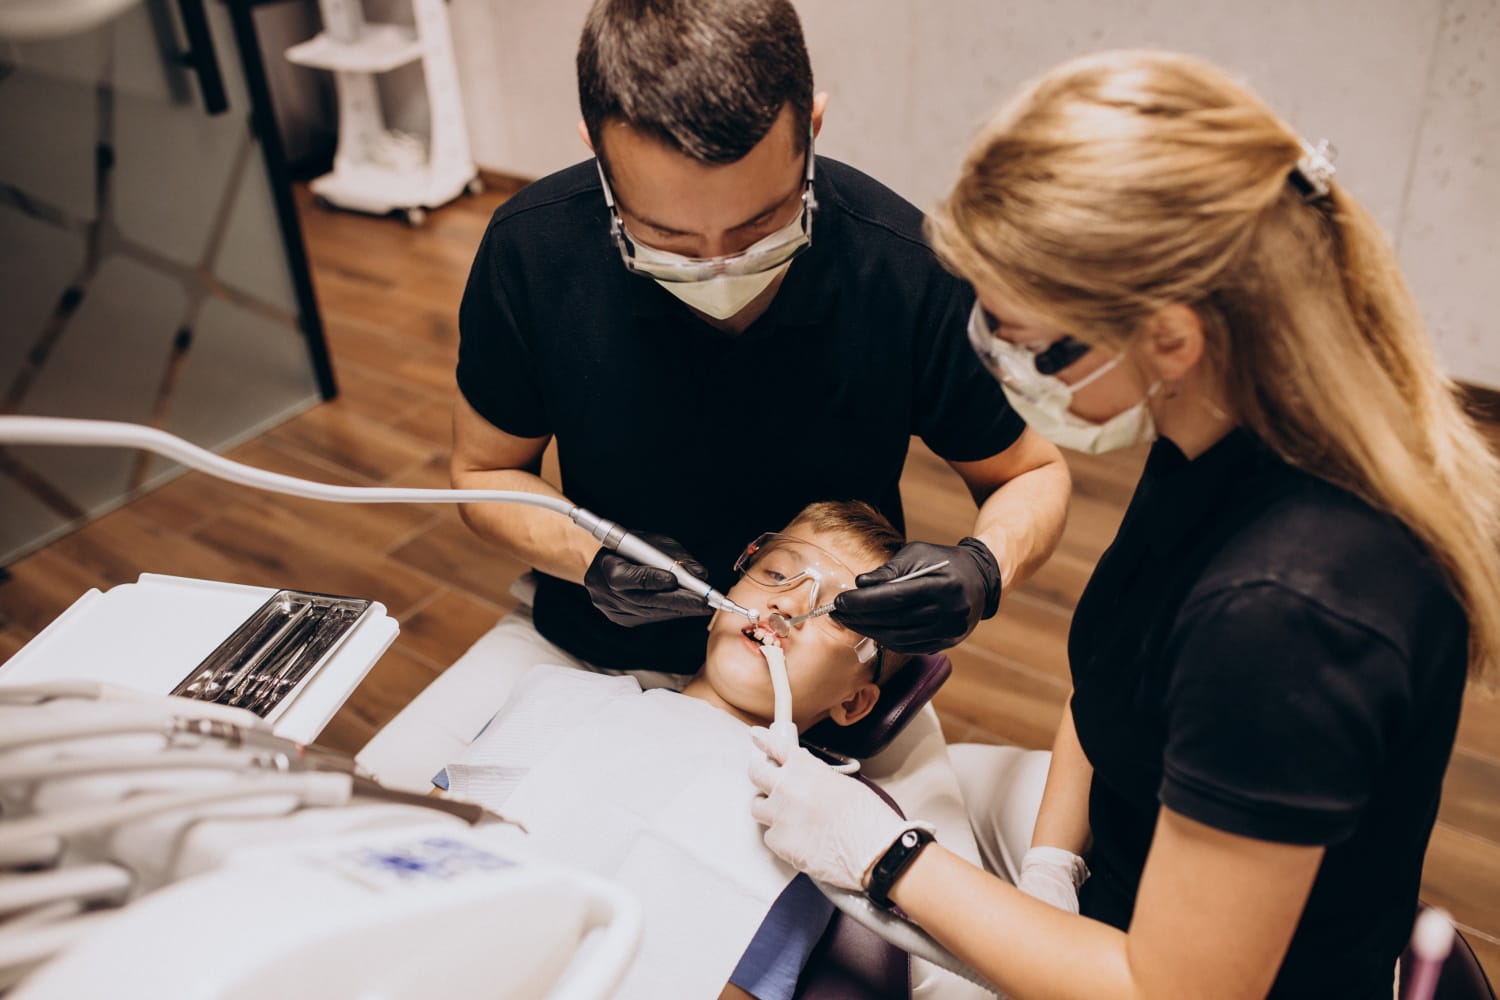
point(819, 821)
point(1054, 876)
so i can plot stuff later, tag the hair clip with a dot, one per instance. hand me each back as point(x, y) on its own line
point(1313, 174)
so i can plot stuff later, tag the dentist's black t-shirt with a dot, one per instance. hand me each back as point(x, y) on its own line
point(666, 424)
point(1266, 654)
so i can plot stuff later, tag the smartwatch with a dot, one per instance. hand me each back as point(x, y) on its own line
point(893, 862)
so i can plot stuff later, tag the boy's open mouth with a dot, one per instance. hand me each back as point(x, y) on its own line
point(761, 634)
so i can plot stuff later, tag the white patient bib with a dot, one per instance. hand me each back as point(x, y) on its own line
point(651, 790)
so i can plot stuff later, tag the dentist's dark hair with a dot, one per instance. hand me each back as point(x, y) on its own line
point(707, 77)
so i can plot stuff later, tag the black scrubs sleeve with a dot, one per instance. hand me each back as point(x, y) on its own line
point(961, 412)
point(1279, 715)
point(497, 372)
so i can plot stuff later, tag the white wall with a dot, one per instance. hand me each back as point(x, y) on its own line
point(1407, 90)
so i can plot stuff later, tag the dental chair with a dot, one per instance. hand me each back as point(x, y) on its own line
point(906, 693)
point(851, 961)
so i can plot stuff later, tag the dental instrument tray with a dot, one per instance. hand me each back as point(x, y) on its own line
point(273, 651)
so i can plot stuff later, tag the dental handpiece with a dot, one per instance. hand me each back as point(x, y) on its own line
point(636, 549)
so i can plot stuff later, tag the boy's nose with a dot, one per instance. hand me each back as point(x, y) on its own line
point(792, 602)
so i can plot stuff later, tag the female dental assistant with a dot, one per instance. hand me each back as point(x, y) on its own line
point(1268, 661)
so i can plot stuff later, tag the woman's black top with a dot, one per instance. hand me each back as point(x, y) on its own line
point(1265, 653)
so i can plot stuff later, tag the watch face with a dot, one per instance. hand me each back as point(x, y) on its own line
point(893, 862)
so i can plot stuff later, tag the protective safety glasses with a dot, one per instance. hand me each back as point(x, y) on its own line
point(757, 260)
point(1029, 370)
point(808, 575)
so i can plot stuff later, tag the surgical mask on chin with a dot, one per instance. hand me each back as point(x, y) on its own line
point(725, 295)
point(1052, 419)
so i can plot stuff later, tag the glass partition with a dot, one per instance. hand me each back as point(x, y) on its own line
point(148, 268)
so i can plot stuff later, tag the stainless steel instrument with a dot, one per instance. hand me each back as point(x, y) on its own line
point(277, 648)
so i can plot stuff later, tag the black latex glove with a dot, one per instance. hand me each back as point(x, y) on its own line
point(630, 594)
point(929, 613)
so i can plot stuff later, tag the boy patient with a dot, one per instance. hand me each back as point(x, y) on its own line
point(833, 674)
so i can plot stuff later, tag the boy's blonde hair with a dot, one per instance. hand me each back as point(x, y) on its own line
point(863, 525)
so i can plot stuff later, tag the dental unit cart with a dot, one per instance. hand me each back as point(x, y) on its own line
point(172, 830)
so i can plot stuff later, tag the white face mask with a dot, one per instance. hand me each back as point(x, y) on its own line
point(724, 295)
point(1050, 417)
point(1044, 400)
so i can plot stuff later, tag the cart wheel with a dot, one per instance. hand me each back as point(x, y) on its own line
point(415, 217)
point(475, 186)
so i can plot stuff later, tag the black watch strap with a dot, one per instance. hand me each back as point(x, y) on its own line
point(893, 862)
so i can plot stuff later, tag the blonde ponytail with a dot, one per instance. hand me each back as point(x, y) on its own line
point(1128, 181)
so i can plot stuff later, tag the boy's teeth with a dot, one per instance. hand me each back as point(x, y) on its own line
point(763, 636)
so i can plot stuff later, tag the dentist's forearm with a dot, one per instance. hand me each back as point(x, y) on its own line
point(1022, 521)
point(543, 539)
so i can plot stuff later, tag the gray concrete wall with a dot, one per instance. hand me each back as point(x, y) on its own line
point(1407, 90)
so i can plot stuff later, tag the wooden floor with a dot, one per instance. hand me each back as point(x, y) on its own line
point(389, 297)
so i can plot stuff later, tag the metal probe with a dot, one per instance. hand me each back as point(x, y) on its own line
point(632, 547)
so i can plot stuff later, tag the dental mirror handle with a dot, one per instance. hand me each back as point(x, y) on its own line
point(638, 550)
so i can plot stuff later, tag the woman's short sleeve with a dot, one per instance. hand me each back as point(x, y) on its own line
point(1280, 715)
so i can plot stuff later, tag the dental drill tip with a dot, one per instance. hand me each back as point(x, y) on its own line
point(722, 603)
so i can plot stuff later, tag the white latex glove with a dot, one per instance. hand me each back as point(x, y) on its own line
point(823, 823)
point(1054, 876)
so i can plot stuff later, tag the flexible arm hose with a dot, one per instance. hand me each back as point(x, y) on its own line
point(99, 881)
point(19, 838)
point(116, 434)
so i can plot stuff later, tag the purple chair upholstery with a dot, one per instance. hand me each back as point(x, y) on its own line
point(901, 698)
point(852, 962)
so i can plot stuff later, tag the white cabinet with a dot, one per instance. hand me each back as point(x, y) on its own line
point(377, 169)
